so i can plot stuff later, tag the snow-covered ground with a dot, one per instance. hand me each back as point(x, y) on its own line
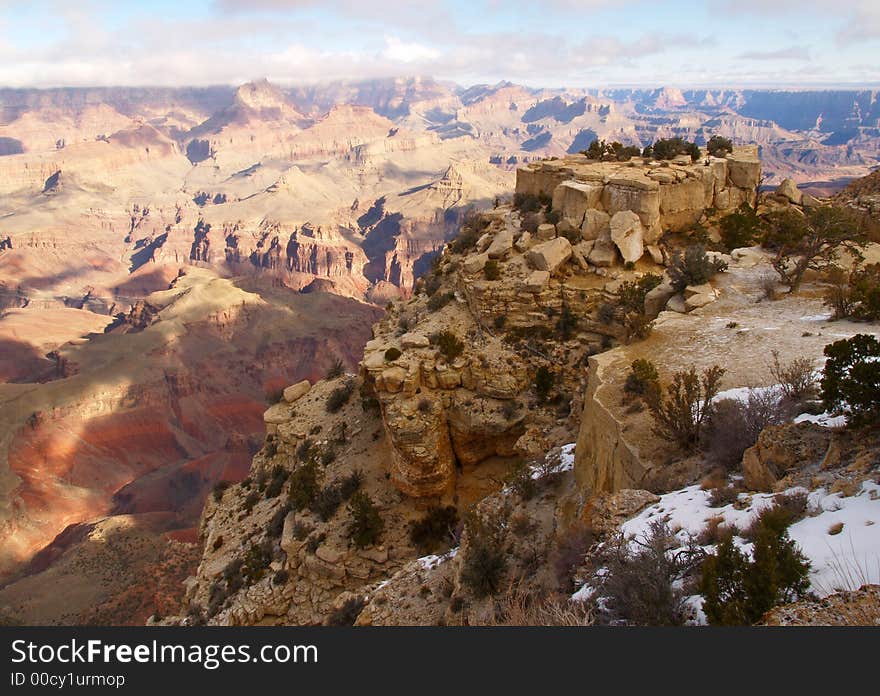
point(841, 557)
point(565, 463)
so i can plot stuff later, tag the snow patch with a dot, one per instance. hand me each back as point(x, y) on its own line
point(432, 561)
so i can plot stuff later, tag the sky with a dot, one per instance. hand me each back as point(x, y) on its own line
point(555, 43)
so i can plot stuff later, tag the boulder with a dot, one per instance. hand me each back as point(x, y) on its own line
point(277, 414)
point(546, 232)
point(603, 253)
point(657, 298)
point(628, 235)
point(579, 258)
point(809, 202)
point(565, 226)
point(537, 281)
point(676, 304)
point(524, 242)
point(392, 379)
point(572, 199)
point(637, 194)
point(704, 289)
point(297, 391)
point(475, 264)
point(696, 301)
point(502, 244)
point(549, 256)
point(781, 449)
point(414, 340)
point(790, 190)
point(597, 224)
point(747, 257)
point(484, 242)
point(744, 168)
point(656, 254)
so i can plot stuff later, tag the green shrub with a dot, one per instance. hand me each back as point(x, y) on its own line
point(337, 369)
point(643, 378)
point(742, 228)
point(252, 499)
point(392, 354)
point(366, 523)
point(339, 397)
point(465, 241)
point(631, 295)
point(739, 591)
point(680, 416)
point(567, 323)
point(491, 271)
point(669, 148)
point(256, 562)
point(277, 479)
point(719, 146)
point(304, 485)
point(219, 489)
point(327, 501)
point(600, 150)
point(544, 381)
point(526, 202)
point(431, 284)
point(499, 322)
point(855, 295)
point(440, 300)
point(449, 344)
point(694, 267)
point(520, 480)
point(605, 313)
point(485, 561)
point(346, 614)
point(851, 378)
point(435, 530)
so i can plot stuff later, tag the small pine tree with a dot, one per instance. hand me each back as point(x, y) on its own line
point(366, 523)
point(544, 381)
point(739, 591)
point(851, 378)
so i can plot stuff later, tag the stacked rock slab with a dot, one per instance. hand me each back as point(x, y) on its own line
point(666, 196)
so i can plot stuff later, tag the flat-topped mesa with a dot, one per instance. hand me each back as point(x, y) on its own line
point(667, 196)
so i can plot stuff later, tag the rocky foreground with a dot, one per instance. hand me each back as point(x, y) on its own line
point(471, 395)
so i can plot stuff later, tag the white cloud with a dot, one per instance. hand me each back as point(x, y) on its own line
point(407, 52)
point(790, 53)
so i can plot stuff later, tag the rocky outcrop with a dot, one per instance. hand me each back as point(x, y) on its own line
point(440, 414)
point(605, 461)
point(781, 450)
point(859, 607)
point(665, 196)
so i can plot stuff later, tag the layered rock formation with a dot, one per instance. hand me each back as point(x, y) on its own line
point(666, 196)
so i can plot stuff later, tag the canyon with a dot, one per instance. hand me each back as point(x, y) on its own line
point(172, 259)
